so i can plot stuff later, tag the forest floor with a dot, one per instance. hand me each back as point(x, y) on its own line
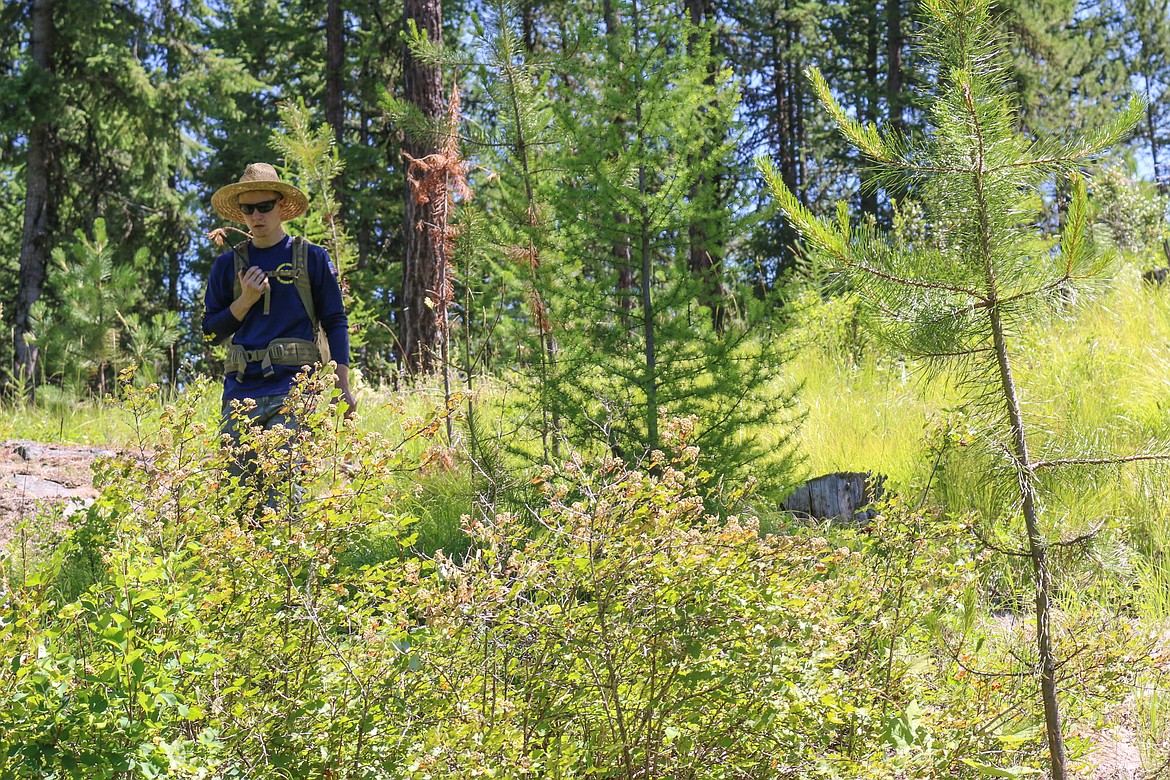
point(36, 478)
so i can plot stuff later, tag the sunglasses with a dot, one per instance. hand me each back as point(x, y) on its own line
point(263, 206)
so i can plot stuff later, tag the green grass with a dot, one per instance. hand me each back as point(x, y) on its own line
point(58, 417)
point(1094, 377)
point(866, 417)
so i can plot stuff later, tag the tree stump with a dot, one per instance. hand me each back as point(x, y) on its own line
point(844, 495)
point(1156, 276)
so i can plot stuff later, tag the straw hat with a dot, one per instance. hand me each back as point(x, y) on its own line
point(259, 176)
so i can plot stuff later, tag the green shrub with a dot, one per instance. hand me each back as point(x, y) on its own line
point(613, 629)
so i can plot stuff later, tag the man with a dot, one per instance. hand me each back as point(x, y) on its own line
point(259, 296)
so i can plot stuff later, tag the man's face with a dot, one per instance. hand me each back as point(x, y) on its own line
point(261, 225)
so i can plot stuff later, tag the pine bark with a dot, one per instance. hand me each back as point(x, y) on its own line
point(704, 255)
point(894, 73)
point(869, 195)
point(423, 84)
point(334, 67)
point(1038, 553)
point(1037, 544)
point(39, 209)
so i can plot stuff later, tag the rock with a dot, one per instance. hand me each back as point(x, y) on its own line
point(37, 487)
point(27, 450)
point(840, 496)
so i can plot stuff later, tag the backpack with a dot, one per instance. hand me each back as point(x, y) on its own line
point(287, 352)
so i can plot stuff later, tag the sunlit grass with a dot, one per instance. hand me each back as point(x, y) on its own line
point(1094, 378)
point(868, 417)
point(59, 417)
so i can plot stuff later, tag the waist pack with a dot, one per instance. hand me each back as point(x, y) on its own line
point(279, 352)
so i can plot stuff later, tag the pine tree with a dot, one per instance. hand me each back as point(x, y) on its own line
point(91, 334)
point(963, 298)
point(108, 108)
point(504, 254)
point(775, 41)
point(1147, 46)
point(1069, 48)
point(423, 88)
point(40, 202)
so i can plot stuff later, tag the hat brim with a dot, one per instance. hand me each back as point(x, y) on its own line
point(293, 202)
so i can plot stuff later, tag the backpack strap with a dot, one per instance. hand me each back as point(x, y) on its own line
point(301, 280)
point(298, 274)
point(288, 352)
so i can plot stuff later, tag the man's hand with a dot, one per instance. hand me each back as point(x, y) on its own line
point(253, 285)
point(346, 392)
point(347, 398)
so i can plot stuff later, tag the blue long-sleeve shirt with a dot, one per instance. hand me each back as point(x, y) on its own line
point(286, 316)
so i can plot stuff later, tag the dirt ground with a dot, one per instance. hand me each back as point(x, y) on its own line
point(35, 477)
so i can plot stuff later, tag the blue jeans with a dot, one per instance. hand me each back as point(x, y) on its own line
point(266, 415)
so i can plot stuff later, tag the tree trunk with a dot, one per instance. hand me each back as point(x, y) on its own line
point(424, 88)
point(704, 256)
point(869, 195)
point(894, 99)
point(334, 67)
point(620, 250)
point(363, 229)
point(528, 24)
point(1152, 134)
point(782, 89)
point(1037, 545)
point(793, 33)
point(1038, 552)
point(786, 123)
point(650, 385)
point(650, 368)
point(39, 209)
point(844, 495)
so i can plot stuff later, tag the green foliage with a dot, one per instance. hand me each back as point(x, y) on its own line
point(967, 296)
point(933, 300)
point(95, 332)
point(625, 634)
point(1068, 48)
point(127, 97)
point(166, 666)
point(636, 637)
point(599, 262)
point(1130, 213)
point(311, 152)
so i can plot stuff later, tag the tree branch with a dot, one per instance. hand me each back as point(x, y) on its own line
point(1102, 461)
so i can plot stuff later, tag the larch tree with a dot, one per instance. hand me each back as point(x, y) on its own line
point(668, 346)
